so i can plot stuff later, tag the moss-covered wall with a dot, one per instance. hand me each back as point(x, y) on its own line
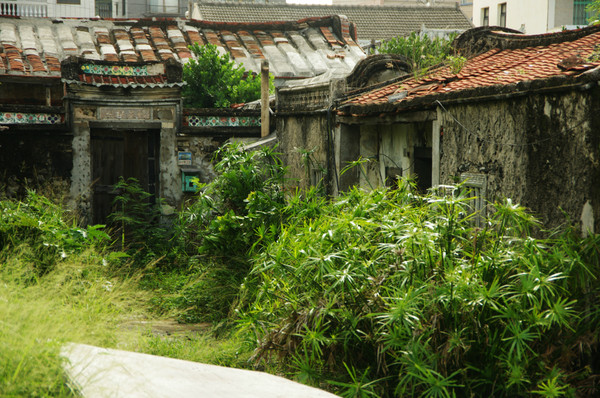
point(541, 151)
point(300, 134)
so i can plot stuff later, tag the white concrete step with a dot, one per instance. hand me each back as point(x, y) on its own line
point(101, 373)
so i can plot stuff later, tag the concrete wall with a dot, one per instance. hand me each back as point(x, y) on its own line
point(85, 9)
point(560, 13)
point(203, 149)
point(541, 151)
point(530, 15)
point(137, 9)
point(304, 134)
point(391, 148)
point(298, 134)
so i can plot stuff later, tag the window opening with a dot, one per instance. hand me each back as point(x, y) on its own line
point(475, 185)
point(580, 14)
point(316, 177)
point(485, 16)
point(502, 15)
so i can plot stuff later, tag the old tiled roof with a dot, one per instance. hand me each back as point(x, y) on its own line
point(505, 71)
point(373, 22)
point(36, 46)
point(124, 81)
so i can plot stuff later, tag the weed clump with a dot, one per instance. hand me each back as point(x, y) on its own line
point(36, 229)
point(56, 286)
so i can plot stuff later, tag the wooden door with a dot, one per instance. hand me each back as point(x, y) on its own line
point(121, 153)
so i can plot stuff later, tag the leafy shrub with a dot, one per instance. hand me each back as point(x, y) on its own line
point(593, 12)
point(215, 81)
point(36, 228)
point(393, 294)
point(424, 52)
point(230, 214)
point(137, 225)
point(233, 215)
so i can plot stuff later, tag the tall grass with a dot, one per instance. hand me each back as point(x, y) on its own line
point(55, 287)
point(78, 301)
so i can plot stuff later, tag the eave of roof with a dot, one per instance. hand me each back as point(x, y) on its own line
point(493, 74)
point(124, 84)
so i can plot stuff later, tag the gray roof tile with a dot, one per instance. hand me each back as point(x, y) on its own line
point(35, 46)
point(373, 22)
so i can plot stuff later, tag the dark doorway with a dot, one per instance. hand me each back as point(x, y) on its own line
point(423, 168)
point(121, 153)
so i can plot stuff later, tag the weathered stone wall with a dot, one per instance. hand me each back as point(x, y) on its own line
point(124, 110)
point(302, 133)
point(203, 150)
point(541, 151)
point(32, 160)
point(204, 130)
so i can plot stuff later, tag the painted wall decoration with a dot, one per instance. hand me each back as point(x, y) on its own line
point(115, 70)
point(221, 121)
point(31, 118)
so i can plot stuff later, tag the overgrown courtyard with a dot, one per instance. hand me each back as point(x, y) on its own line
point(383, 293)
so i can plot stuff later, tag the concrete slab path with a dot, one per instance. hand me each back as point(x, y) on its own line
point(101, 373)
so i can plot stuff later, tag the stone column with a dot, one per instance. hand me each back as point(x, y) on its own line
point(264, 98)
point(81, 174)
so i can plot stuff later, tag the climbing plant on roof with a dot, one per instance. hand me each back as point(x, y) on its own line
point(214, 80)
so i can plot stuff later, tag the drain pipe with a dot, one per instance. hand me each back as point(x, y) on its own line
point(264, 98)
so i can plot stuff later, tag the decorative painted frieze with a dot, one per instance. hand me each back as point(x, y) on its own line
point(115, 70)
point(31, 118)
point(222, 121)
point(124, 113)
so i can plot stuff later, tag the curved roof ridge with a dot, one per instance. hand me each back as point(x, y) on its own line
point(485, 38)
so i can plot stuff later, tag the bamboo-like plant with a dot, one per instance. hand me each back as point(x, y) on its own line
point(395, 294)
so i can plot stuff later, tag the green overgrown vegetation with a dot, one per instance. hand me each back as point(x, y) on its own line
point(424, 52)
point(593, 12)
point(380, 294)
point(54, 288)
point(394, 294)
point(216, 81)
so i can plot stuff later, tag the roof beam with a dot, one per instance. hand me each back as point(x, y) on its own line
point(408, 117)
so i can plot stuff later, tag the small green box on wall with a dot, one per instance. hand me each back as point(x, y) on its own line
point(188, 178)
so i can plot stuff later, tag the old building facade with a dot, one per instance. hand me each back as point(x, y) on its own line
point(533, 16)
point(87, 101)
point(517, 121)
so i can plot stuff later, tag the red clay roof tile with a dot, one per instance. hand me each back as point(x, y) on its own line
point(498, 67)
